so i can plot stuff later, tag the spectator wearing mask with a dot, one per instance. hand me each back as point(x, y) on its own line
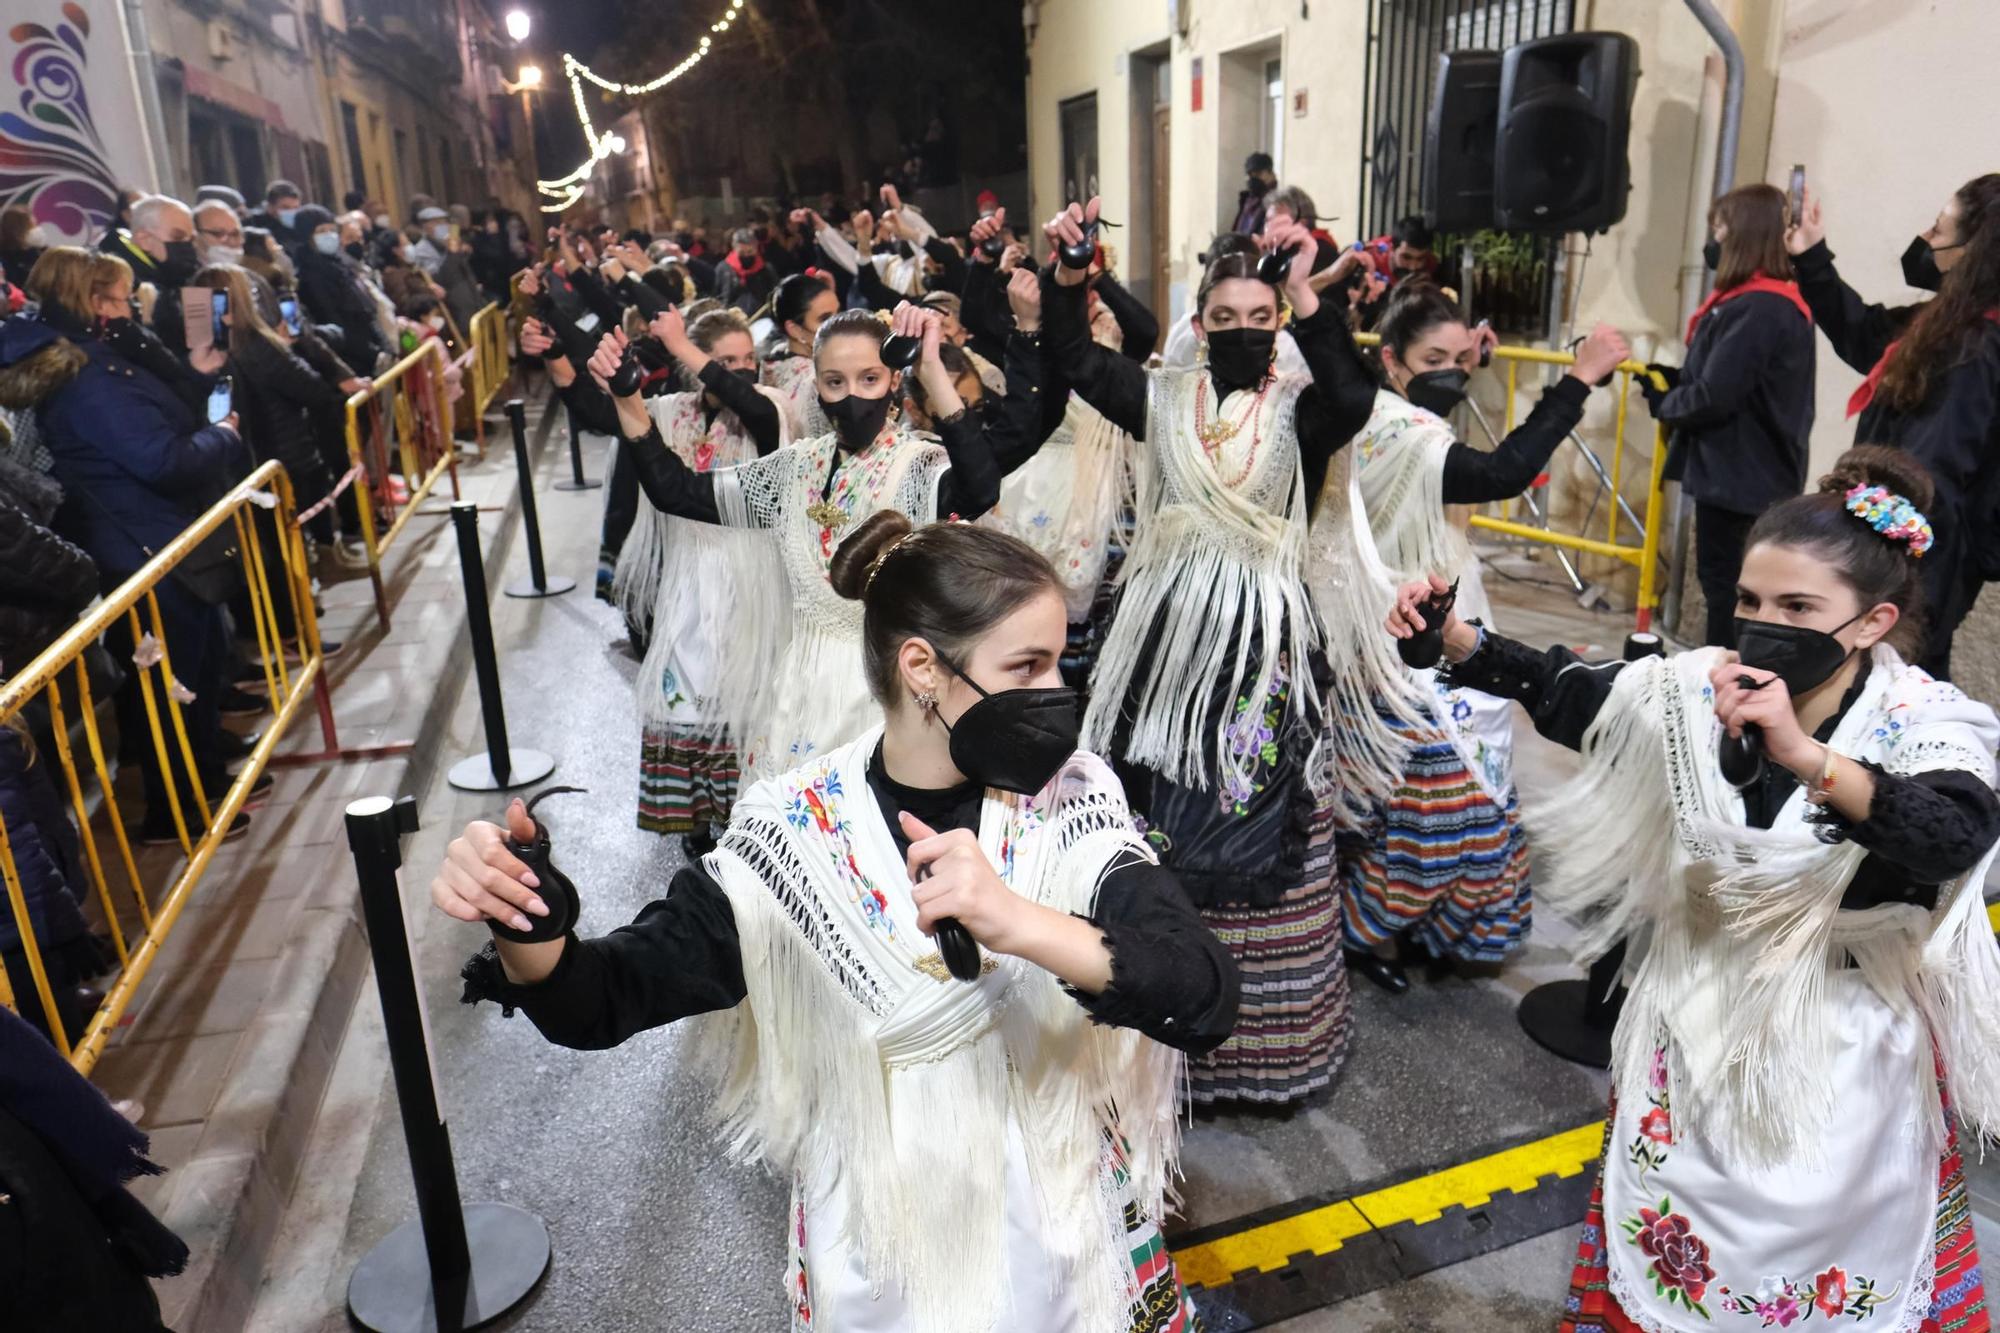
point(280, 214)
point(160, 245)
point(218, 235)
point(403, 282)
point(163, 239)
point(22, 241)
point(137, 466)
point(1741, 409)
point(1250, 205)
point(1933, 384)
point(453, 271)
point(1289, 202)
point(335, 294)
point(743, 279)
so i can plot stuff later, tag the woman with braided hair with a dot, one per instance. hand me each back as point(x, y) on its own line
point(1795, 833)
point(945, 989)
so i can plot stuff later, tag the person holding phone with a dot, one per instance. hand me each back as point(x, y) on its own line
point(1741, 406)
point(843, 1051)
point(1933, 382)
point(138, 465)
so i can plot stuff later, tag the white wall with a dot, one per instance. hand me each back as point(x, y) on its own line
point(1891, 105)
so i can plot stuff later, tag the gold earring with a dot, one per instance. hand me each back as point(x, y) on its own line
point(926, 702)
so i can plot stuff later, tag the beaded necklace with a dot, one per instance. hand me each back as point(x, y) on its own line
point(1214, 434)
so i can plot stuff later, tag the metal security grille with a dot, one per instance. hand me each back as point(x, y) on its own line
point(1404, 39)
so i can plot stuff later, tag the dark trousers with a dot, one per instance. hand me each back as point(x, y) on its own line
point(1719, 535)
point(198, 647)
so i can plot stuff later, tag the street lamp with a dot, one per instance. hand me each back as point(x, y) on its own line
point(531, 77)
point(517, 25)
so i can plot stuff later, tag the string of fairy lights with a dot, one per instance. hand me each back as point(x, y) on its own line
point(566, 190)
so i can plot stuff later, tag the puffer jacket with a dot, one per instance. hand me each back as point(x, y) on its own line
point(135, 463)
point(44, 581)
point(46, 852)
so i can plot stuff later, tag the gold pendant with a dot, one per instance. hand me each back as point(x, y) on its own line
point(827, 515)
point(932, 966)
point(1219, 432)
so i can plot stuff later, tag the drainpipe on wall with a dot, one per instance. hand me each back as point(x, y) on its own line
point(1731, 129)
point(139, 59)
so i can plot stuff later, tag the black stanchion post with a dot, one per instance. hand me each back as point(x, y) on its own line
point(538, 583)
point(501, 766)
point(576, 481)
point(457, 1266)
point(1575, 1019)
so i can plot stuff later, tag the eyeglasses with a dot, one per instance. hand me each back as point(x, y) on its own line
point(231, 236)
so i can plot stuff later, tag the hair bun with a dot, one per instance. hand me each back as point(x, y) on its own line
point(854, 559)
point(1880, 465)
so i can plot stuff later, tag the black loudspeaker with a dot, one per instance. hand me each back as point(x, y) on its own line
point(1459, 137)
point(1565, 115)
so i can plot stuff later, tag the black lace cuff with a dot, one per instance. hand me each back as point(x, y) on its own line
point(486, 979)
point(1501, 667)
point(1934, 826)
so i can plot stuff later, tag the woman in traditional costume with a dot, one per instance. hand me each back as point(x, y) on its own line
point(1441, 870)
point(688, 764)
point(1238, 735)
point(792, 688)
point(964, 1156)
point(802, 303)
point(1814, 986)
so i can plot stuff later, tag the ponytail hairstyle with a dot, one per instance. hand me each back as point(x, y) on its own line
point(850, 324)
point(1936, 338)
point(1878, 567)
point(945, 583)
point(711, 328)
point(1415, 307)
point(793, 297)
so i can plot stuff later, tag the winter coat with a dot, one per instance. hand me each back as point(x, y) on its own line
point(1742, 409)
point(283, 403)
point(44, 581)
point(334, 293)
point(136, 465)
point(46, 853)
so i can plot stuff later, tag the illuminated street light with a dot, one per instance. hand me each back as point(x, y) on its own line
point(531, 76)
point(517, 24)
point(616, 142)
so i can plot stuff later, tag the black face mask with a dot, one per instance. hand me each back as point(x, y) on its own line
point(748, 376)
point(1437, 391)
point(1016, 740)
point(1711, 254)
point(179, 265)
point(857, 420)
point(1241, 358)
point(355, 251)
point(1802, 657)
point(1920, 266)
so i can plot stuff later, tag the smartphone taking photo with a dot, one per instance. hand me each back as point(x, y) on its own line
point(1795, 193)
point(218, 306)
point(220, 400)
point(288, 310)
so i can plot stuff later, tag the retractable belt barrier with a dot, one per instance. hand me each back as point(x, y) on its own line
point(53, 694)
point(1620, 519)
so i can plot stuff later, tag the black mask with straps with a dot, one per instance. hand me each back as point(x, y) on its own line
point(1241, 358)
point(1438, 391)
point(1920, 266)
point(1803, 657)
point(1016, 740)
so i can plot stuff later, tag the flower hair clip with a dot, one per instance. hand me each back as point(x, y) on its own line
point(1892, 516)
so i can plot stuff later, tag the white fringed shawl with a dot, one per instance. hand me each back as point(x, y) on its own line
point(796, 382)
point(794, 649)
point(848, 1061)
point(1214, 566)
point(1735, 931)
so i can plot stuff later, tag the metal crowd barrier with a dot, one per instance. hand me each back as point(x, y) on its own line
point(1642, 554)
point(406, 409)
point(488, 336)
point(138, 918)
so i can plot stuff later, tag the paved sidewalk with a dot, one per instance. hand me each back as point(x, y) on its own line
point(235, 1031)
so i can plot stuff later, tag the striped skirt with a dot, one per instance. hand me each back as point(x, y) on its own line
point(1958, 1300)
point(1445, 865)
point(1292, 1025)
point(686, 783)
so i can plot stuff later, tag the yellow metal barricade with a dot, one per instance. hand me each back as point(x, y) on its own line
point(54, 693)
point(488, 333)
point(1643, 553)
point(399, 434)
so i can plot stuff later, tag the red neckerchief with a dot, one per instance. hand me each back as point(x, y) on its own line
point(1758, 282)
point(1865, 394)
point(735, 261)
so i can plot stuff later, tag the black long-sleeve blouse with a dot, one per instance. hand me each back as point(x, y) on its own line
point(1477, 476)
point(1330, 410)
point(980, 457)
point(1170, 977)
point(1921, 830)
